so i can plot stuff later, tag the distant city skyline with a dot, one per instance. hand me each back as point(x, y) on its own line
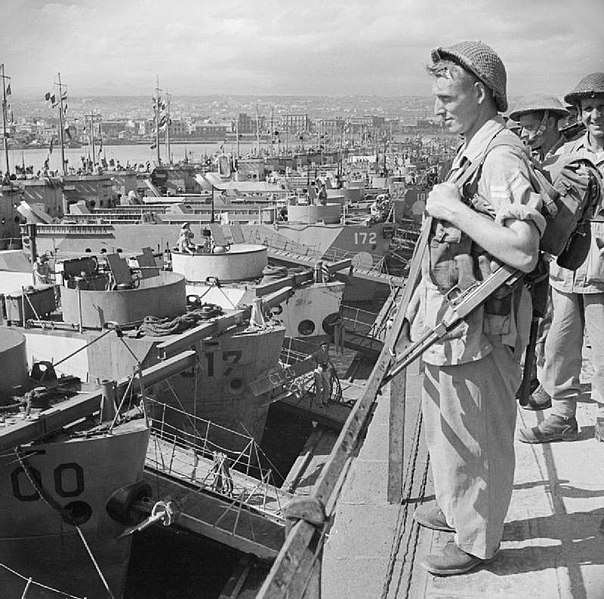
point(288, 48)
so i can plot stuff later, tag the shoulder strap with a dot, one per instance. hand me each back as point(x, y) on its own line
point(472, 169)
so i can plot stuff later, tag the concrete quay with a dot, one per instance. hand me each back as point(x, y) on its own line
point(553, 544)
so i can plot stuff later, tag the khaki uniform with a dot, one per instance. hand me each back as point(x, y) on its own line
point(471, 377)
point(322, 375)
point(42, 273)
point(578, 302)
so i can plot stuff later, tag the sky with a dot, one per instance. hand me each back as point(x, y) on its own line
point(289, 47)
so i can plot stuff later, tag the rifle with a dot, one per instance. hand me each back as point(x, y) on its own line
point(471, 294)
point(460, 308)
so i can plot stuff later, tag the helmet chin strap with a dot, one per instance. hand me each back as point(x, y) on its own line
point(533, 135)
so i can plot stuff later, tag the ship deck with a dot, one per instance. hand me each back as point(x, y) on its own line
point(553, 544)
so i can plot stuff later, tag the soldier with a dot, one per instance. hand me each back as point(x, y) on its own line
point(42, 271)
point(184, 243)
point(577, 298)
point(471, 376)
point(322, 373)
point(538, 116)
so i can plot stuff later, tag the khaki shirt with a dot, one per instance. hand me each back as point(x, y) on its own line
point(589, 277)
point(321, 357)
point(505, 186)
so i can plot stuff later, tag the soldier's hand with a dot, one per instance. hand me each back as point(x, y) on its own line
point(443, 201)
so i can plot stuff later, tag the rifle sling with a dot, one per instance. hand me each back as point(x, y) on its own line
point(468, 302)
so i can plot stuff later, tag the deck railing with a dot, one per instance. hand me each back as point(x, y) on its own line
point(296, 573)
point(193, 455)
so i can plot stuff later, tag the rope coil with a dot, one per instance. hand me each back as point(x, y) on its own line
point(158, 327)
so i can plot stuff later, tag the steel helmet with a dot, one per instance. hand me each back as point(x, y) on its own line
point(512, 125)
point(482, 61)
point(538, 103)
point(590, 86)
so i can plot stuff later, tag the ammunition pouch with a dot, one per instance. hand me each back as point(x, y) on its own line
point(446, 243)
point(457, 264)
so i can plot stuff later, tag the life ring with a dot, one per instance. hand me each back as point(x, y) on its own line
point(119, 505)
point(277, 310)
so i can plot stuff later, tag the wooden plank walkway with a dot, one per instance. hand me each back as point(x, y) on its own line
point(190, 467)
point(361, 273)
point(250, 519)
point(333, 415)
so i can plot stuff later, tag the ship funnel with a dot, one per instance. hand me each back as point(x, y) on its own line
point(108, 400)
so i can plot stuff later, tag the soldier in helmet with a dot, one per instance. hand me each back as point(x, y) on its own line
point(471, 376)
point(577, 299)
point(538, 116)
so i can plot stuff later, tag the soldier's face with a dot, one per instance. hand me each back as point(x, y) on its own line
point(530, 129)
point(592, 115)
point(456, 103)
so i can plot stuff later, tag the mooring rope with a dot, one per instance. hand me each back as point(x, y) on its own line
point(65, 514)
point(29, 581)
point(159, 327)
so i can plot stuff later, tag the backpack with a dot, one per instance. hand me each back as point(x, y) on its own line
point(571, 190)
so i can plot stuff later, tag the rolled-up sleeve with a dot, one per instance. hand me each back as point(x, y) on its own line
point(507, 187)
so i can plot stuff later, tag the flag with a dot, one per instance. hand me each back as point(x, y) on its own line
point(68, 133)
point(8, 90)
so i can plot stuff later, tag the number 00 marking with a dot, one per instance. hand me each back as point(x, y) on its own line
point(68, 481)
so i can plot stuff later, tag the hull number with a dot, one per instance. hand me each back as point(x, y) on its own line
point(68, 480)
point(363, 238)
point(230, 357)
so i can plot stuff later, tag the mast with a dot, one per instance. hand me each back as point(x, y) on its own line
point(92, 119)
point(61, 124)
point(4, 104)
point(92, 140)
point(168, 127)
point(237, 131)
point(156, 103)
point(272, 131)
point(257, 132)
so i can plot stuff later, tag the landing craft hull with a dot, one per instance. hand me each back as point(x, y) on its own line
point(36, 542)
point(217, 390)
point(367, 244)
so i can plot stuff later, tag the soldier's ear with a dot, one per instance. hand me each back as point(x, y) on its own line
point(481, 91)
